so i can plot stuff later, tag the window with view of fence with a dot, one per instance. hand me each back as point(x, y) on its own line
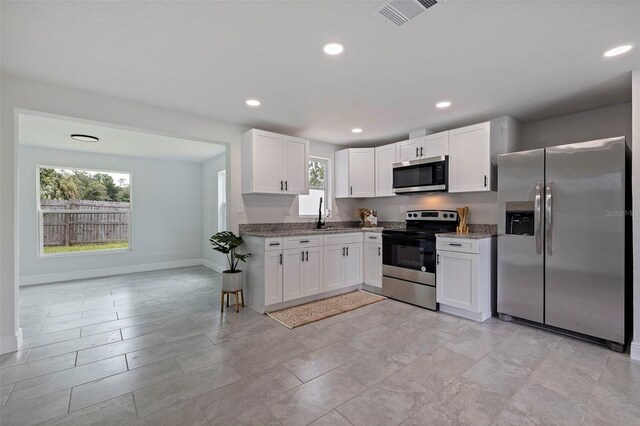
point(69, 222)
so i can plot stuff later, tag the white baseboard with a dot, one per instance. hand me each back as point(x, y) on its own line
point(635, 350)
point(475, 316)
point(212, 265)
point(104, 272)
point(11, 343)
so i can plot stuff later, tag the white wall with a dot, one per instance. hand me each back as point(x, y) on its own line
point(283, 208)
point(579, 127)
point(210, 169)
point(166, 218)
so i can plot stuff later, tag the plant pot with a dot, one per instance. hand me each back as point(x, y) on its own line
point(231, 281)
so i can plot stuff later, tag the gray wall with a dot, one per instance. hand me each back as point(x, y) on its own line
point(579, 127)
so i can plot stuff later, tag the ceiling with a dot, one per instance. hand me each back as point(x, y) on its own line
point(529, 59)
point(52, 132)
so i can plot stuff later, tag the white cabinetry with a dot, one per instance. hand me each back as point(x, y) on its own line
point(286, 271)
point(474, 150)
point(373, 259)
point(274, 163)
point(433, 145)
point(464, 276)
point(355, 173)
point(385, 157)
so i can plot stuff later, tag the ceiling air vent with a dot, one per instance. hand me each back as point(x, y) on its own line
point(399, 12)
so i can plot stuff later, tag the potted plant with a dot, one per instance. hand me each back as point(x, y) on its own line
point(227, 242)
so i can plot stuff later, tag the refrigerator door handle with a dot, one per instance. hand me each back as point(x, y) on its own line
point(549, 217)
point(537, 218)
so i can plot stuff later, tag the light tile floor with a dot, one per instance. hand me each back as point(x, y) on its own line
point(153, 349)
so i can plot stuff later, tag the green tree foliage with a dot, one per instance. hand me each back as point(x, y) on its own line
point(316, 174)
point(63, 185)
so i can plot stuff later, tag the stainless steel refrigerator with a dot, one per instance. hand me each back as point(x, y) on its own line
point(564, 239)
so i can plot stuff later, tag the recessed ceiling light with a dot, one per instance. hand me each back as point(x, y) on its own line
point(253, 102)
point(356, 130)
point(617, 50)
point(333, 48)
point(443, 104)
point(84, 138)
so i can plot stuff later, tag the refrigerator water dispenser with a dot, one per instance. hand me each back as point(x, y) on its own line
point(519, 218)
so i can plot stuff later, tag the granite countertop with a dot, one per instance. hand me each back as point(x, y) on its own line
point(469, 236)
point(300, 232)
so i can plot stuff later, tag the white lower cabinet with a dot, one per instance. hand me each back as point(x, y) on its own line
point(284, 270)
point(273, 277)
point(464, 275)
point(373, 264)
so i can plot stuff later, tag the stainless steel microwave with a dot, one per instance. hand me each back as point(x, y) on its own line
point(423, 175)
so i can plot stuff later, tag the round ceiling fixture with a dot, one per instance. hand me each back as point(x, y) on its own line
point(443, 104)
point(333, 48)
point(356, 130)
point(253, 102)
point(84, 138)
point(617, 50)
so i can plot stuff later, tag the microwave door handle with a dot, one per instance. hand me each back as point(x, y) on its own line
point(537, 218)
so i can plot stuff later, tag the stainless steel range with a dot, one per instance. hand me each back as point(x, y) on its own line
point(409, 257)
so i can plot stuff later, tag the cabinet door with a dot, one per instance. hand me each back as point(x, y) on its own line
point(267, 163)
point(469, 159)
point(410, 150)
point(436, 145)
point(292, 287)
point(333, 265)
point(341, 174)
point(272, 277)
point(373, 264)
point(296, 165)
point(457, 280)
point(313, 271)
point(352, 265)
point(385, 157)
point(362, 172)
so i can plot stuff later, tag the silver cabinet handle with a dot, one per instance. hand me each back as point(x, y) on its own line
point(281, 258)
point(373, 238)
point(274, 244)
point(286, 185)
point(379, 251)
point(304, 241)
point(351, 190)
point(485, 181)
point(437, 259)
point(417, 152)
point(548, 214)
point(302, 256)
point(281, 185)
point(421, 149)
point(306, 256)
point(347, 251)
point(343, 250)
point(537, 217)
point(455, 244)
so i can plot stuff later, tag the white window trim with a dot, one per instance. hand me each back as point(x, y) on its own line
point(327, 190)
point(40, 213)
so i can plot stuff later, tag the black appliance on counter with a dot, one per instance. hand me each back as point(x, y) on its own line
point(409, 256)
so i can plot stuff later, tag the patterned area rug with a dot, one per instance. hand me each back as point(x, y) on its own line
point(325, 308)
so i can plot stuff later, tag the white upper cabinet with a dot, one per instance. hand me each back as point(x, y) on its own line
point(434, 145)
point(355, 173)
point(274, 163)
point(385, 157)
point(474, 150)
point(469, 159)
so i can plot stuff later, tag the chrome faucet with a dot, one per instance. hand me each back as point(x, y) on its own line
point(320, 222)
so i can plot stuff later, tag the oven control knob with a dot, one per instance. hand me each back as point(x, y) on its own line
point(415, 215)
point(445, 215)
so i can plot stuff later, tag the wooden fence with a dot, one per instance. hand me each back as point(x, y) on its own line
point(109, 223)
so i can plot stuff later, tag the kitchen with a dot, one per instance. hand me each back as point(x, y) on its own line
point(431, 313)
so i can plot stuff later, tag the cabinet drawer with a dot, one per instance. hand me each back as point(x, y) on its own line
point(458, 244)
point(351, 237)
point(372, 237)
point(303, 241)
point(273, 243)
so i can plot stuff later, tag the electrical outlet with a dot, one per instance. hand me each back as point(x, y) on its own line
point(240, 208)
point(402, 209)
